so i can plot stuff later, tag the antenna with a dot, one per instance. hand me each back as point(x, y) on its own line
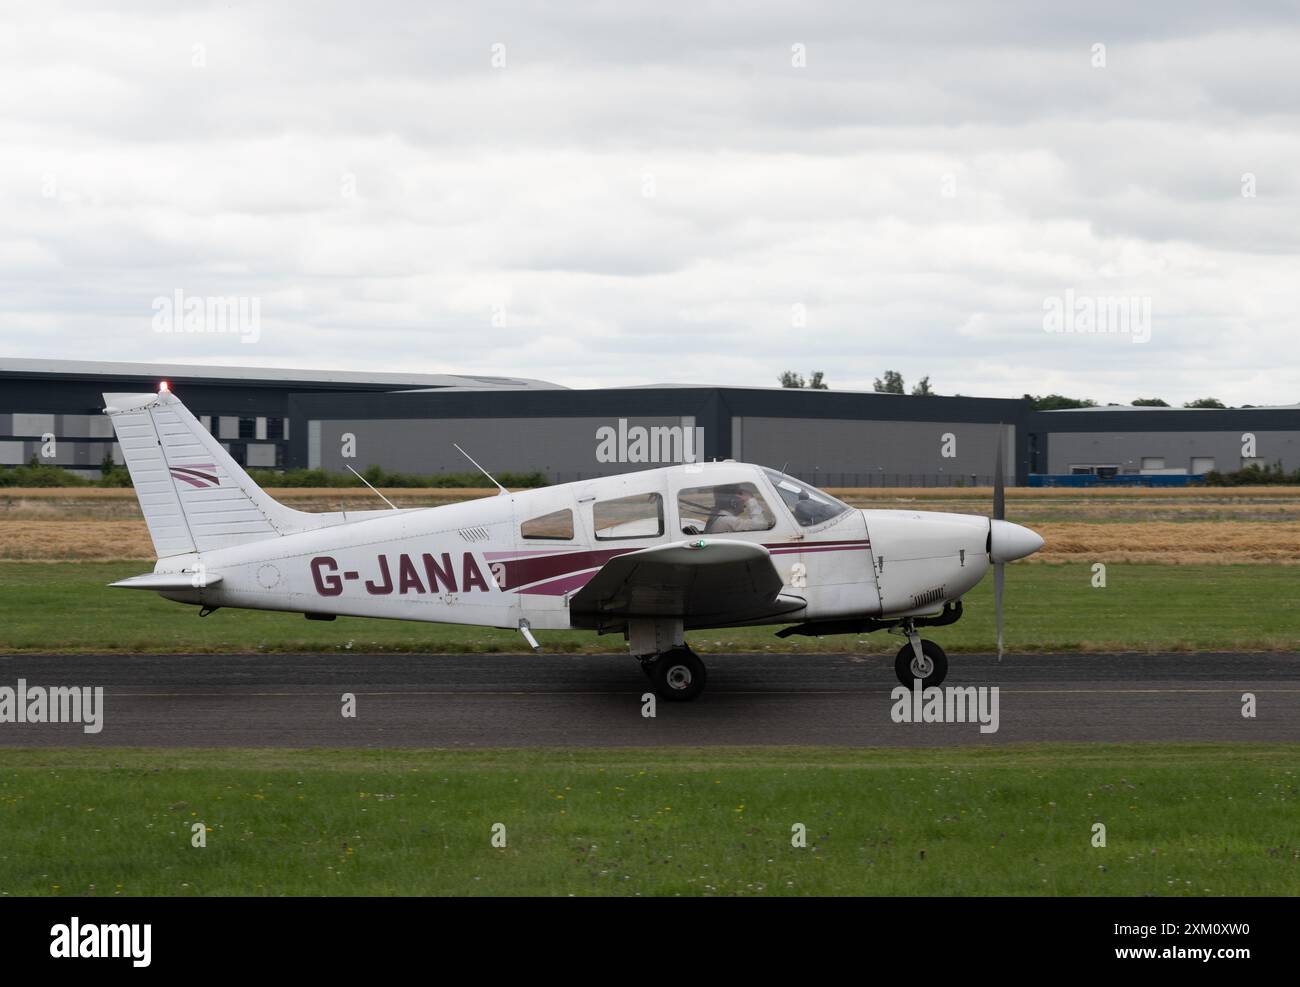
point(367, 483)
point(481, 469)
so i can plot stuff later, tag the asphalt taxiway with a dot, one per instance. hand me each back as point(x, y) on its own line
point(553, 700)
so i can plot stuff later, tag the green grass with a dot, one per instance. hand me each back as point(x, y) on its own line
point(1180, 820)
point(66, 606)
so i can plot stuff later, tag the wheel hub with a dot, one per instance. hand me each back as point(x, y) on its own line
point(922, 667)
point(678, 677)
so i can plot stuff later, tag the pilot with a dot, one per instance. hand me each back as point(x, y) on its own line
point(747, 513)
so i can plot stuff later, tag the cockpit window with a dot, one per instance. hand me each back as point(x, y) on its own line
point(809, 505)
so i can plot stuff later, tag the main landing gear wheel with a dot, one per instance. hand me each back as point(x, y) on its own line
point(932, 669)
point(677, 675)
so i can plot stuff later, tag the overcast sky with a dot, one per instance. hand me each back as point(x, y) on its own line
point(641, 192)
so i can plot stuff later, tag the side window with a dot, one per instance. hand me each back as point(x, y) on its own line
point(726, 507)
point(556, 525)
point(638, 516)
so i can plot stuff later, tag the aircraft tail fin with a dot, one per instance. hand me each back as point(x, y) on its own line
point(194, 496)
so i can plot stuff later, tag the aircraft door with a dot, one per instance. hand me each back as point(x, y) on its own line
point(551, 545)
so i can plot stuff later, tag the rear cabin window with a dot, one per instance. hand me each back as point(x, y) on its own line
point(558, 526)
point(724, 507)
point(638, 516)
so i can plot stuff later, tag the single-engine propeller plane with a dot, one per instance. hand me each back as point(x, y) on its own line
point(649, 555)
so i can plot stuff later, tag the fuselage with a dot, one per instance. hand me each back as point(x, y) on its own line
point(521, 556)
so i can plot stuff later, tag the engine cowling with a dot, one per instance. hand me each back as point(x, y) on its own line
point(926, 558)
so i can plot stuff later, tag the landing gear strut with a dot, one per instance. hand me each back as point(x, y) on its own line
point(918, 659)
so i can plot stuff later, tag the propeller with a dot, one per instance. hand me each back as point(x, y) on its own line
point(999, 514)
point(1007, 541)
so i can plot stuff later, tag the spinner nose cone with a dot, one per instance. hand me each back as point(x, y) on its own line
point(1008, 542)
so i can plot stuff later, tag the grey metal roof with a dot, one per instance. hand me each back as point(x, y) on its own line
point(1146, 407)
point(98, 368)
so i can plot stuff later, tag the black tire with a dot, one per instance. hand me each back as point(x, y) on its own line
point(678, 675)
point(907, 674)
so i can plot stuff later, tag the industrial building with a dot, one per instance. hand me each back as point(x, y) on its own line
point(271, 418)
point(247, 408)
point(1123, 441)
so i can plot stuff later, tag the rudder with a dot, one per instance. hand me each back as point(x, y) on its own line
point(194, 496)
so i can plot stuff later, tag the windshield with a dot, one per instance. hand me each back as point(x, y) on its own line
point(808, 504)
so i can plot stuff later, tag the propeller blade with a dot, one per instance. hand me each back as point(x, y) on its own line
point(999, 574)
point(999, 482)
point(999, 514)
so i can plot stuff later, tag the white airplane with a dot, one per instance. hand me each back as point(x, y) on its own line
point(649, 555)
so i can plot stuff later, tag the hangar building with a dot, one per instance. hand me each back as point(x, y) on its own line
point(276, 418)
point(1149, 441)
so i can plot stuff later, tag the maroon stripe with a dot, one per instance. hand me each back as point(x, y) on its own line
point(558, 587)
point(806, 549)
point(848, 543)
point(200, 475)
point(520, 572)
point(813, 548)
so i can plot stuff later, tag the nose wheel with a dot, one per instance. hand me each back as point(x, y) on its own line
point(930, 666)
point(677, 675)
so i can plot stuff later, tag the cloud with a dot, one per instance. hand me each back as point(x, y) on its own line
point(631, 195)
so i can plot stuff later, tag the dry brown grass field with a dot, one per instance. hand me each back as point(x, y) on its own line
point(1195, 525)
point(51, 541)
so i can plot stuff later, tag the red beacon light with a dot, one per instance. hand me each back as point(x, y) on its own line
point(164, 387)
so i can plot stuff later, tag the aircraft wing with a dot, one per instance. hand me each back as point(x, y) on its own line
point(704, 580)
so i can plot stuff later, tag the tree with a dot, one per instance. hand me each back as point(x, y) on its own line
point(922, 387)
point(1055, 402)
point(892, 384)
point(1150, 403)
point(1205, 403)
point(789, 378)
point(111, 474)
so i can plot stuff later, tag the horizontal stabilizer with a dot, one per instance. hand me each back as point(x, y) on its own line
point(169, 581)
